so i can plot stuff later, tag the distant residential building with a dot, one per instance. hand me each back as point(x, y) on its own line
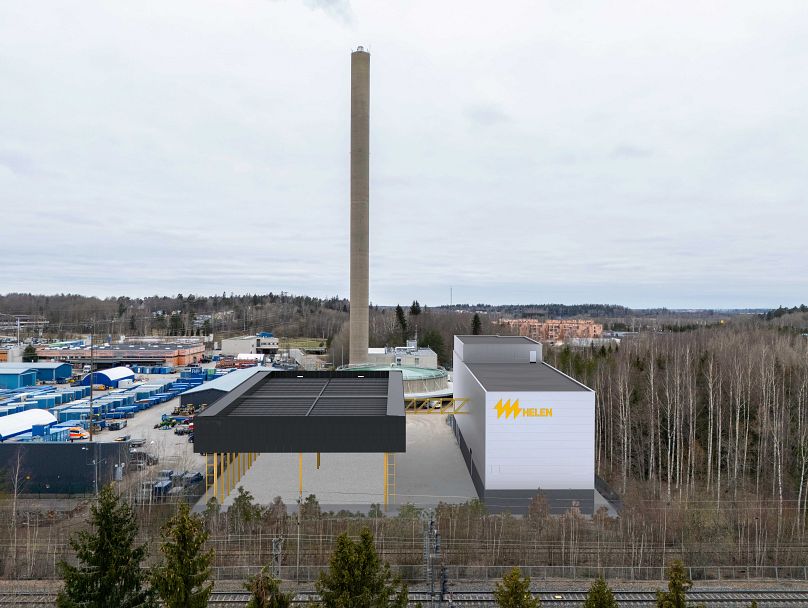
point(555, 330)
point(200, 320)
point(593, 342)
point(263, 343)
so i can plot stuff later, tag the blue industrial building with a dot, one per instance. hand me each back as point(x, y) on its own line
point(46, 371)
point(37, 422)
point(109, 377)
point(17, 378)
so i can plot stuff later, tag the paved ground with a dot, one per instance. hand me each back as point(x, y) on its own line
point(431, 470)
point(343, 481)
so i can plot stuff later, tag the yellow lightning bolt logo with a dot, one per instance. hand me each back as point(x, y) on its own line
point(507, 408)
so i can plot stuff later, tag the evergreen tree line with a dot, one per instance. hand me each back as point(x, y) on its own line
point(109, 571)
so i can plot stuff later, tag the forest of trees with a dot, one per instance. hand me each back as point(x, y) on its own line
point(285, 314)
point(713, 423)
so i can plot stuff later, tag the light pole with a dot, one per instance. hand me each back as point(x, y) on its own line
point(94, 463)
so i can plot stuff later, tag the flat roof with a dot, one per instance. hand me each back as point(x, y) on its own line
point(37, 365)
point(496, 340)
point(227, 382)
point(127, 346)
point(523, 377)
point(291, 411)
point(293, 394)
point(17, 371)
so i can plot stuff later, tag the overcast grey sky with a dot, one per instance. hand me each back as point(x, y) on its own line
point(643, 153)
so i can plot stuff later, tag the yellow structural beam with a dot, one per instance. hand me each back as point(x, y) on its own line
point(224, 471)
point(436, 406)
point(216, 476)
point(386, 496)
point(389, 479)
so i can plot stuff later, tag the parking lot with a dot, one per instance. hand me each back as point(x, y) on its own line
point(174, 451)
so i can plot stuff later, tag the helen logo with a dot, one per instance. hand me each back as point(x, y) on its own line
point(511, 409)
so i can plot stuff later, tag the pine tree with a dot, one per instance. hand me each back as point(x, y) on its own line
point(476, 325)
point(514, 592)
point(415, 309)
point(402, 322)
point(678, 586)
point(600, 596)
point(357, 578)
point(182, 579)
point(109, 574)
point(29, 354)
point(265, 592)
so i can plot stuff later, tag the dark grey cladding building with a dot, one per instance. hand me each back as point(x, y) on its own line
point(290, 411)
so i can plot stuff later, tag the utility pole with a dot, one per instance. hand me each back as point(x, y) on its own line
point(431, 554)
point(277, 557)
point(92, 377)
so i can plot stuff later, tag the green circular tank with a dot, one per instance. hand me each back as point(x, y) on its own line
point(417, 380)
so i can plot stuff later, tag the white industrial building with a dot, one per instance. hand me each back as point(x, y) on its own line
point(263, 343)
point(409, 356)
point(528, 429)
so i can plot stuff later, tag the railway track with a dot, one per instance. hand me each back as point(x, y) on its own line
point(724, 598)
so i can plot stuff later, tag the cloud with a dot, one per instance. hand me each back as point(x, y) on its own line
point(629, 151)
point(201, 147)
point(338, 9)
point(487, 114)
point(18, 164)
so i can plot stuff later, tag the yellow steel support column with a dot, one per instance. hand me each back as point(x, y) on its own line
point(216, 476)
point(227, 473)
point(220, 489)
point(391, 484)
point(385, 482)
point(220, 485)
point(318, 460)
point(232, 476)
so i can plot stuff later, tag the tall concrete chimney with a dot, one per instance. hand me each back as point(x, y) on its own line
point(360, 198)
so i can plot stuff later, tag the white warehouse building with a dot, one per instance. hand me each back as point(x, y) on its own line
point(528, 429)
point(263, 343)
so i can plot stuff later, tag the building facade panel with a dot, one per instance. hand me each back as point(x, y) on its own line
point(528, 429)
point(472, 423)
point(553, 447)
